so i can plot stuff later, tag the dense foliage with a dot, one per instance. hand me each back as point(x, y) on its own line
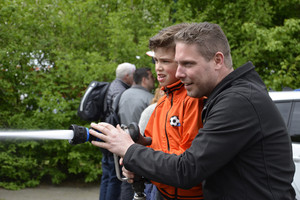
point(51, 49)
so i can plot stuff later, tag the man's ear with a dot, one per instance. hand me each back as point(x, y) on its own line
point(143, 83)
point(219, 59)
point(126, 79)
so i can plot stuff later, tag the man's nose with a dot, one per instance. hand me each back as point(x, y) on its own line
point(179, 72)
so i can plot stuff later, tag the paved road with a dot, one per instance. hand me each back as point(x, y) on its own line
point(50, 192)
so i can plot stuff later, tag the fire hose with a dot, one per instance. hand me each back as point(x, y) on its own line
point(82, 135)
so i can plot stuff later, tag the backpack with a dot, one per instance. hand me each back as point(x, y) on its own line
point(113, 116)
point(93, 106)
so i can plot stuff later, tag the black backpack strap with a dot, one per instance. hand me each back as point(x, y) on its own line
point(113, 117)
point(106, 109)
point(115, 105)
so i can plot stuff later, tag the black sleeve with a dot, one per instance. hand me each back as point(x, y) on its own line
point(230, 126)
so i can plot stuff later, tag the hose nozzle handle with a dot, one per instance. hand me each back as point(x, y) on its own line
point(134, 131)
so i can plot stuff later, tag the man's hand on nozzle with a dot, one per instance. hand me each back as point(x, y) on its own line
point(126, 173)
point(114, 139)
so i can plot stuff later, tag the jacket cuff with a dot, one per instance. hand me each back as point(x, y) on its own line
point(129, 153)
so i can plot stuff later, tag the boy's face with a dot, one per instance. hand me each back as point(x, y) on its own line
point(165, 66)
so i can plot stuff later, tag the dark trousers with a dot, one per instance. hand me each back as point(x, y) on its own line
point(127, 192)
point(110, 187)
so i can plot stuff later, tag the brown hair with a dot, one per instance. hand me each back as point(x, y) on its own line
point(165, 37)
point(209, 38)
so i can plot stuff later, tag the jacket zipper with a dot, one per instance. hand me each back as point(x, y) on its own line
point(167, 122)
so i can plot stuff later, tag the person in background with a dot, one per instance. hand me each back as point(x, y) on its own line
point(132, 103)
point(110, 187)
point(145, 116)
point(150, 189)
point(243, 150)
point(134, 100)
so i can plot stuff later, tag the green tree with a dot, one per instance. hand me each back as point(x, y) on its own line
point(51, 50)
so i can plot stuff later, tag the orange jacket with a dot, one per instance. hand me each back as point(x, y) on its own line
point(172, 126)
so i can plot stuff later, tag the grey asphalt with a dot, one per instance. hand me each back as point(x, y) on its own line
point(51, 192)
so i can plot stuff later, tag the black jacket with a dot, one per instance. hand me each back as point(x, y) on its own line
point(242, 152)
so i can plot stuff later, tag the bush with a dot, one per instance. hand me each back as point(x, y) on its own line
point(27, 163)
point(51, 50)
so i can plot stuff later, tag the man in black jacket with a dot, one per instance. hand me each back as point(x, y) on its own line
point(243, 150)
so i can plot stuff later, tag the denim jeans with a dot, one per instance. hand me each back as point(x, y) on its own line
point(127, 192)
point(152, 192)
point(110, 187)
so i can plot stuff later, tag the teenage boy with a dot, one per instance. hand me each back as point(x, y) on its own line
point(176, 119)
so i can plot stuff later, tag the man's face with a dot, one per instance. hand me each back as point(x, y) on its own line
point(130, 79)
point(150, 81)
point(165, 66)
point(197, 74)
